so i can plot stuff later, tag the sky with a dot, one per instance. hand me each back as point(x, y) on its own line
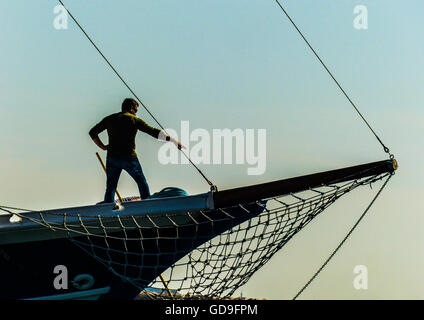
point(230, 64)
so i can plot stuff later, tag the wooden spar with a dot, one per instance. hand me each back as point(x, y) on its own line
point(236, 196)
point(104, 168)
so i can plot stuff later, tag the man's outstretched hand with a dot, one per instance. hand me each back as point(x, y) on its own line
point(163, 136)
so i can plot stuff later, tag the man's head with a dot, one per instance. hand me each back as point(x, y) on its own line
point(130, 105)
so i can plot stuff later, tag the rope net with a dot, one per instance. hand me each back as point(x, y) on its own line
point(208, 253)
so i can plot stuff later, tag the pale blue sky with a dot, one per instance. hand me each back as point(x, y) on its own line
point(229, 64)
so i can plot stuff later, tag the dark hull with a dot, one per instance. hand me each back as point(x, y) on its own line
point(27, 269)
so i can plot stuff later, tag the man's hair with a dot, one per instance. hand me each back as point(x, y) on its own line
point(128, 104)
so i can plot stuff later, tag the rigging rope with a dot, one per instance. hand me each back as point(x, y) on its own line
point(344, 240)
point(386, 149)
point(15, 208)
point(335, 80)
point(315, 207)
point(213, 187)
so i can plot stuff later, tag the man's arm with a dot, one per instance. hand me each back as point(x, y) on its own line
point(99, 142)
point(158, 134)
point(94, 134)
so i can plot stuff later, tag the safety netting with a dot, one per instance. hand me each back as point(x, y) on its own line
point(204, 253)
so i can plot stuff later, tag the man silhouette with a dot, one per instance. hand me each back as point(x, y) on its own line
point(122, 128)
